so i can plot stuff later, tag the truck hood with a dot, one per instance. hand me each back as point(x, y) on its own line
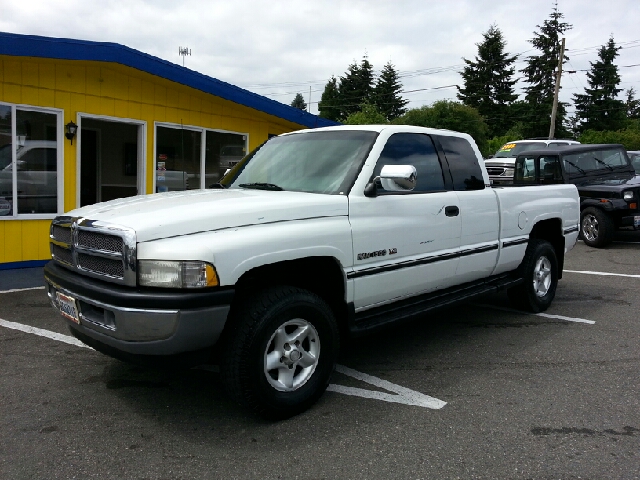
point(169, 214)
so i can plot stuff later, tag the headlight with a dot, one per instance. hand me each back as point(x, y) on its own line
point(176, 274)
point(628, 195)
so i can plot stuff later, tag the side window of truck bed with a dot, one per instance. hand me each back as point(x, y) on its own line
point(414, 149)
point(463, 163)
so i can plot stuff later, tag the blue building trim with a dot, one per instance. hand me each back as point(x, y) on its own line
point(25, 264)
point(70, 49)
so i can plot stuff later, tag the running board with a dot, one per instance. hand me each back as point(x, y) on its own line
point(379, 317)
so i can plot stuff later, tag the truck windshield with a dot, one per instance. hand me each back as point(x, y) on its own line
point(594, 160)
point(514, 148)
point(313, 162)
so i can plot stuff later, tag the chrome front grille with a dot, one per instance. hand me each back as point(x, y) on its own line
point(101, 265)
point(62, 234)
point(494, 171)
point(99, 241)
point(93, 248)
point(61, 254)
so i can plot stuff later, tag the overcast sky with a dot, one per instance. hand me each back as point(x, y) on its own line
point(280, 47)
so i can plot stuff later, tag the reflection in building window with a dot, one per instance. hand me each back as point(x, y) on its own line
point(36, 154)
point(223, 151)
point(177, 159)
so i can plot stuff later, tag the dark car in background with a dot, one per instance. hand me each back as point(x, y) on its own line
point(634, 156)
point(500, 166)
point(606, 180)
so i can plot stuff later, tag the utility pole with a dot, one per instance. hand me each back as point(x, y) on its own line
point(554, 110)
point(309, 102)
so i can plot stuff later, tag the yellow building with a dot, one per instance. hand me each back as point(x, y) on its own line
point(85, 122)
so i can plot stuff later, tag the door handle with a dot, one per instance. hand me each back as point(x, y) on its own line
point(451, 211)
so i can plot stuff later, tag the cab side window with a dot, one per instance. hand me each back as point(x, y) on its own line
point(463, 163)
point(413, 149)
point(550, 170)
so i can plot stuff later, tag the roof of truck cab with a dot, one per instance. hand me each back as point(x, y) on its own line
point(570, 149)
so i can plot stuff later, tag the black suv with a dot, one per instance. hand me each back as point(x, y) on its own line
point(606, 180)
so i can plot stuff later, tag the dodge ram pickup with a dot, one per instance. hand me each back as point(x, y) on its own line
point(313, 238)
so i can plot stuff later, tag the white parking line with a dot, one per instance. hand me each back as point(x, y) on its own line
point(21, 289)
point(604, 274)
point(43, 333)
point(546, 315)
point(402, 395)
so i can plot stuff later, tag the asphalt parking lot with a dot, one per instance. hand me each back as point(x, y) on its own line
point(475, 391)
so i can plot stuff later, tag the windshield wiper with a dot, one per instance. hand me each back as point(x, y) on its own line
point(217, 185)
point(262, 186)
point(575, 166)
point(603, 163)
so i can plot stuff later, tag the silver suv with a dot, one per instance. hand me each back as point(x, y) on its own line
point(501, 166)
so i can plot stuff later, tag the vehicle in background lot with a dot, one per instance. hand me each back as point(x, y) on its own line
point(171, 181)
point(634, 157)
point(230, 155)
point(37, 176)
point(316, 236)
point(500, 166)
point(607, 183)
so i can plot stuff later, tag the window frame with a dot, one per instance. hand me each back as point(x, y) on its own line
point(444, 168)
point(203, 147)
point(59, 113)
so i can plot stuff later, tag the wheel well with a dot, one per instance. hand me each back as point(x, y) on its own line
point(551, 231)
point(321, 275)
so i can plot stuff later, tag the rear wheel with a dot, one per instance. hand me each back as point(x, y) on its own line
point(596, 227)
point(539, 269)
point(280, 352)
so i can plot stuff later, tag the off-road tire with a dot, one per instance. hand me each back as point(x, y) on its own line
point(255, 319)
point(596, 227)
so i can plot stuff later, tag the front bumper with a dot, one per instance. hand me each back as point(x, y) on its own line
point(141, 321)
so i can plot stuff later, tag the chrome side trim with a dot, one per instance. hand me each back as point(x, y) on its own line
point(420, 261)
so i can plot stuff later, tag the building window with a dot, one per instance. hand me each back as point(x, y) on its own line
point(180, 158)
point(223, 151)
point(30, 158)
point(178, 152)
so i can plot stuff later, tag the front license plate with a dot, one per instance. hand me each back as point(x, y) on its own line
point(67, 306)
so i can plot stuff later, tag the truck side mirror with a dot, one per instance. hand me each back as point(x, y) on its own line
point(394, 178)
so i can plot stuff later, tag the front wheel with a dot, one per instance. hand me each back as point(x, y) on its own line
point(280, 352)
point(596, 227)
point(539, 270)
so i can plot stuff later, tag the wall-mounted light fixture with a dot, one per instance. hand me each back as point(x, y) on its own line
point(71, 128)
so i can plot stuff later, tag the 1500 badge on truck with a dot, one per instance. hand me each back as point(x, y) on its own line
point(315, 237)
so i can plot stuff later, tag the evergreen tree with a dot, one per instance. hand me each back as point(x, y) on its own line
point(632, 104)
point(598, 108)
point(386, 95)
point(329, 105)
point(356, 87)
point(540, 74)
point(298, 102)
point(488, 83)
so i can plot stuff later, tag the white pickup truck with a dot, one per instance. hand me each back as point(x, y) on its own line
point(315, 237)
